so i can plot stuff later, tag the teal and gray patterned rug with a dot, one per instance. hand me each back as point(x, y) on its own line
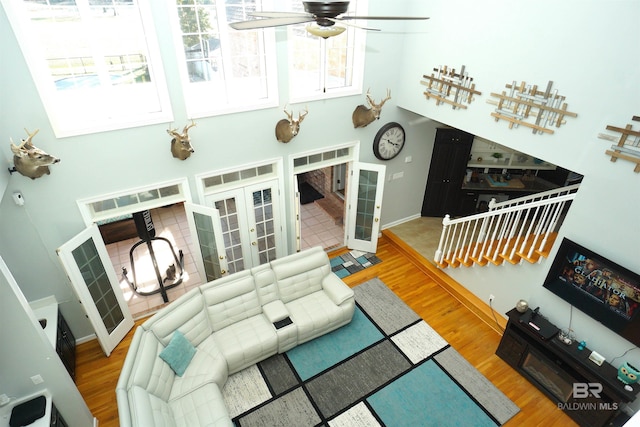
point(352, 262)
point(386, 368)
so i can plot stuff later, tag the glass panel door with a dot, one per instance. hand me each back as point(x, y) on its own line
point(89, 268)
point(265, 230)
point(365, 195)
point(209, 251)
point(235, 238)
point(298, 219)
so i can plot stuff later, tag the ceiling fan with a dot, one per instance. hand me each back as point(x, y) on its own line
point(325, 14)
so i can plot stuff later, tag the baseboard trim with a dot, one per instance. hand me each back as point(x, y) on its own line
point(477, 306)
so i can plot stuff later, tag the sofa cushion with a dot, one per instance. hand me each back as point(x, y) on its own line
point(316, 314)
point(301, 274)
point(247, 342)
point(202, 407)
point(185, 314)
point(148, 371)
point(207, 366)
point(231, 299)
point(178, 353)
point(265, 282)
point(149, 410)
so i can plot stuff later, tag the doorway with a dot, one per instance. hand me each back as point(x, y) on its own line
point(322, 207)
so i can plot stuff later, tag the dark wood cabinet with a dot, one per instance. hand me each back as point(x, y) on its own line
point(443, 194)
point(590, 394)
point(66, 345)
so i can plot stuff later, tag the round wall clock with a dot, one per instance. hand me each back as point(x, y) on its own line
point(389, 141)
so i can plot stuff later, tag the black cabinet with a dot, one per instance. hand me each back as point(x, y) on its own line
point(56, 418)
point(590, 394)
point(66, 345)
point(443, 194)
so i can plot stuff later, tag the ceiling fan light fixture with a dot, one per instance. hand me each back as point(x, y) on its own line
point(325, 32)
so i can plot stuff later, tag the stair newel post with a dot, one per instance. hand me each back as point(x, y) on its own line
point(445, 229)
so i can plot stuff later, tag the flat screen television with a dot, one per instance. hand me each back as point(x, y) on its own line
point(599, 287)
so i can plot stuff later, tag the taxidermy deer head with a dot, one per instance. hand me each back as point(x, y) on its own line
point(287, 129)
point(29, 160)
point(181, 144)
point(362, 115)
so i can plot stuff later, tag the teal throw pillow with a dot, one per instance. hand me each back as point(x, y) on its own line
point(178, 353)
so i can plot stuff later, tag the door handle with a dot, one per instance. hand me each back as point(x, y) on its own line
point(254, 243)
point(376, 220)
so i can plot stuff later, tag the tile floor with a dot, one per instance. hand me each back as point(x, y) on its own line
point(171, 223)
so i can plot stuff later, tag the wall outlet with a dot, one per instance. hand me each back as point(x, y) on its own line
point(491, 297)
point(4, 399)
point(37, 379)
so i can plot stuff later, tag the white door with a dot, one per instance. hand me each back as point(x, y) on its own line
point(250, 222)
point(365, 206)
point(208, 247)
point(89, 268)
point(298, 220)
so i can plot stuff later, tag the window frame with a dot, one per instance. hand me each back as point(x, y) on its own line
point(62, 116)
point(197, 96)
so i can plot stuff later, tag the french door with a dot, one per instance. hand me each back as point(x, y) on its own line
point(365, 206)
point(250, 224)
point(86, 262)
point(208, 247)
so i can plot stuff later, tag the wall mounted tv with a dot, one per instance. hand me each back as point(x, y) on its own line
point(604, 290)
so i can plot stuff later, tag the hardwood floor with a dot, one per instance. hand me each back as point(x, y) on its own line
point(452, 312)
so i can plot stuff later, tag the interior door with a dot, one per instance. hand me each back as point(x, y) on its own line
point(87, 263)
point(365, 206)
point(208, 246)
point(298, 220)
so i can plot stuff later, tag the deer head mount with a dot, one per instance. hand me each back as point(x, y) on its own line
point(181, 144)
point(362, 115)
point(287, 129)
point(29, 160)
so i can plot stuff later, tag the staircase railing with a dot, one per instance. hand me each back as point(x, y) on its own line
point(512, 230)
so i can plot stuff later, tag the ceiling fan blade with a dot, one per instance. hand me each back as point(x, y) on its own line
point(281, 15)
point(269, 22)
point(349, 24)
point(383, 18)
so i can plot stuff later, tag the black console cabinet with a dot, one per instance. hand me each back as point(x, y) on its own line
point(66, 345)
point(588, 393)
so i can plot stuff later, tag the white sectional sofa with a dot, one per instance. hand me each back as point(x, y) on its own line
point(229, 324)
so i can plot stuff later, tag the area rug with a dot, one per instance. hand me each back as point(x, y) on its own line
point(308, 194)
point(386, 368)
point(352, 262)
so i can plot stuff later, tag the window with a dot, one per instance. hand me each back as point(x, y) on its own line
point(324, 68)
point(93, 62)
point(224, 70)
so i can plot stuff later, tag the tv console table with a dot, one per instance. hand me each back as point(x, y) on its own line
point(590, 394)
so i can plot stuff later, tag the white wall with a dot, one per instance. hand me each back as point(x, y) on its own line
point(585, 48)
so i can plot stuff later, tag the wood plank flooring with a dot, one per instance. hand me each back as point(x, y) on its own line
point(463, 322)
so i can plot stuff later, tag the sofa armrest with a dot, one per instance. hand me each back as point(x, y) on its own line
point(336, 289)
point(275, 311)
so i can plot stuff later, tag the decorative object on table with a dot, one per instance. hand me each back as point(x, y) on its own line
point(628, 374)
point(627, 145)
point(527, 106)
point(566, 336)
point(181, 143)
point(582, 345)
point(362, 116)
point(389, 141)
point(287, 129)
point(596, 358)
point(447, 86)
point(29, 160)
point(352, 262)
point(496, 157)
point(522, 306)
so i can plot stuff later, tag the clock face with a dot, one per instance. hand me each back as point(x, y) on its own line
point(388, 141)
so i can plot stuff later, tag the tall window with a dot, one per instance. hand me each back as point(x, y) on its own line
point(93, 62)
point(324, 68)
point(224, 70)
